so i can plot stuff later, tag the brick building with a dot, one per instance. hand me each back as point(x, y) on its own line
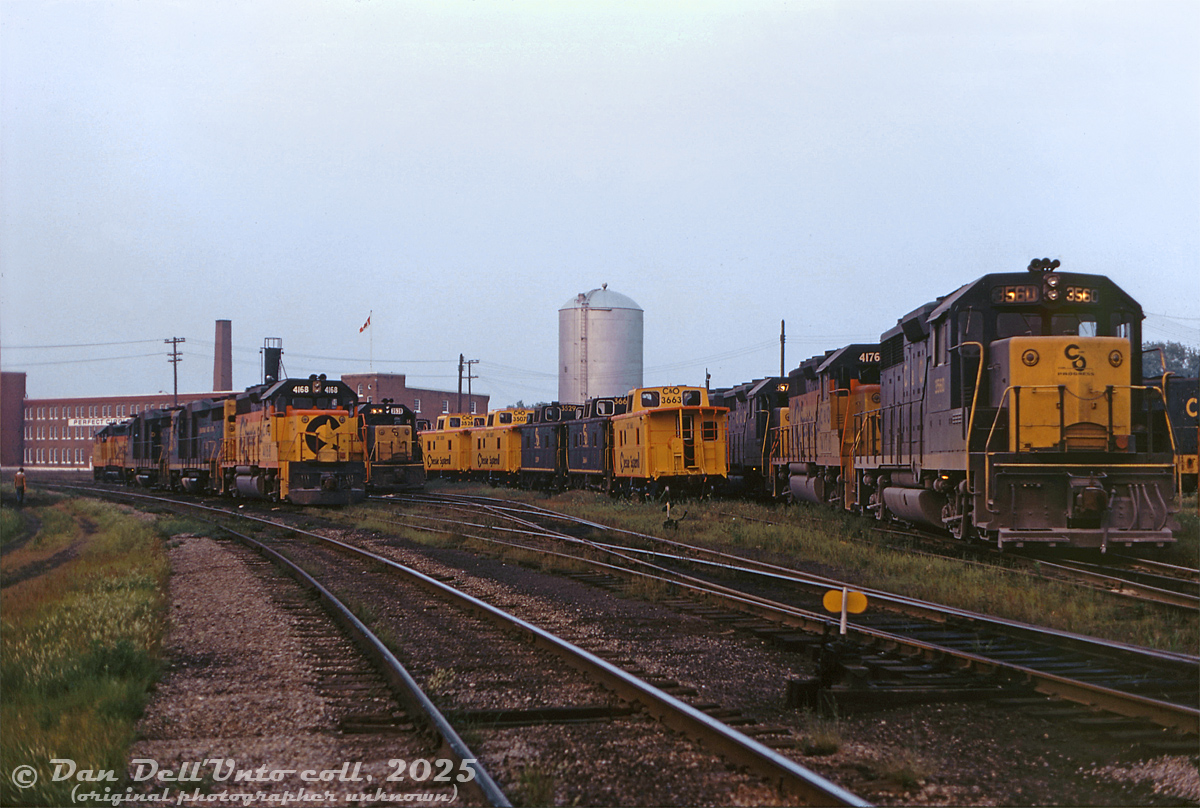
point(57, 432)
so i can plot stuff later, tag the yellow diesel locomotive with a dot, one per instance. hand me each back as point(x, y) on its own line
point(296, 440)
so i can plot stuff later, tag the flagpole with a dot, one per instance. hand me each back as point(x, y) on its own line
point(372, 335)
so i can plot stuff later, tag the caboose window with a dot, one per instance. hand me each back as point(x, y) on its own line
point(506, 417)
point(650, 398)
point(691, 398)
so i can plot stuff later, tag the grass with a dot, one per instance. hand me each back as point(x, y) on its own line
point(535, 785)
point(80, 644)
point(843, 546)
point(822, 734)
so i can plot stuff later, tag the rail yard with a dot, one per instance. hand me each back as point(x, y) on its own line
point(743, 694)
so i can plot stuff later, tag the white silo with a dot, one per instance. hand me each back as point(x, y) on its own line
point(599, 346)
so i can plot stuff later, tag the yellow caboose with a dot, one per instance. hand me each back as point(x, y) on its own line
point(671, 436)
point(496, 448)
point(447, 447)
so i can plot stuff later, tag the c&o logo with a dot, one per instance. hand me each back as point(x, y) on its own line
point(1078, 361)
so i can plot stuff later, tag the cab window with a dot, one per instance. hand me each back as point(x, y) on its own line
point(1082, 325)
point(1015, 324)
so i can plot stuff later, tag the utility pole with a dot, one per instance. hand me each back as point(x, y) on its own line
point(463, 362)
point(782, 371)
point(468, 363)
point(174, 357)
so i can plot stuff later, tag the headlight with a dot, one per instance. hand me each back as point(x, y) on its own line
point(1052, 281)
point(1052, 294)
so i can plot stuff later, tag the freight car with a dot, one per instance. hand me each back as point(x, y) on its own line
point(496, 446)
point(544, 446)
point(295, 440)
point(446, 448)
point(637, 444)
point(393, 449)
point(589, 443)
point(1010, 411)
point(670, 436)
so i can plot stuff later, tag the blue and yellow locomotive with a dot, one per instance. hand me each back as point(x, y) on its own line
point(392, 446)
point(1011, 410)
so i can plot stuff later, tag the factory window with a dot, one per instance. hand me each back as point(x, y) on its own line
point(472, 407)
point(41, 455)
point(445, 405)
point(360, 389)
point(53, 413)
point(41, 413)
point(417, 405)
point(121, 411)
point(79, 456)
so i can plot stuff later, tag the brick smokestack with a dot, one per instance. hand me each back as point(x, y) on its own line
point(223, 357)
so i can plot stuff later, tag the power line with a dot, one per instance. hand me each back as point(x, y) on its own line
point(79, 345)
point(86, 361)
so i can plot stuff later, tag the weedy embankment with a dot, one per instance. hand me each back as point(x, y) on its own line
point(84, 612)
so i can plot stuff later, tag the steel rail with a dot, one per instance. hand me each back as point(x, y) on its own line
point(1126, 587)
point(785, 774)
point(1180, 717)
point(900, 603)
point(789, 776)
point(418, 706)
point(415, 702)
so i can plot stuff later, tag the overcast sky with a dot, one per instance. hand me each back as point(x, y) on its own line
point(463, 169)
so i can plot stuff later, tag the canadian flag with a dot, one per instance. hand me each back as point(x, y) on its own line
point(364, 325)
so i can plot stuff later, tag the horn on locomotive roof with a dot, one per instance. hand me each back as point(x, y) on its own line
point(1043, 264)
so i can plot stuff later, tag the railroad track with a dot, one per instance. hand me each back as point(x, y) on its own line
point(1136, 579)
point(363, 573)
point(365, 685)
point(1137, 683)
